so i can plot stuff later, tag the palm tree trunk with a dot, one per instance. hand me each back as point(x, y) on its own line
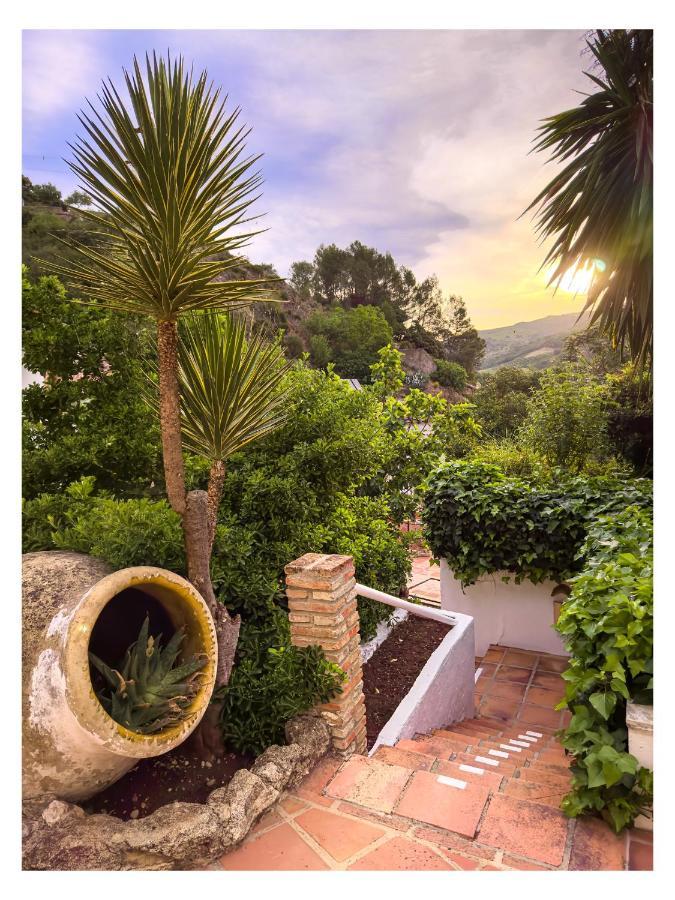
point(169, 407)
point(214, 493)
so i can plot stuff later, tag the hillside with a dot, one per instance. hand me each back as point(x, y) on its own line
point(532, 345)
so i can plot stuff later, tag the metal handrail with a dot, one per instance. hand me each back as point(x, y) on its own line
point(424, 612)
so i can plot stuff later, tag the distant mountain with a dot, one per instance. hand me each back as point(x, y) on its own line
point(531, 345)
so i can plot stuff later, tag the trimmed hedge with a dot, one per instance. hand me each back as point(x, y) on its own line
point(483, 521)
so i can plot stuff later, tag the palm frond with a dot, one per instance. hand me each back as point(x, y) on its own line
point(172, 187)
point(599, 206)
point(231, 385)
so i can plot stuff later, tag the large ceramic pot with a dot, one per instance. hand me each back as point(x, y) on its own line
point(73, 603)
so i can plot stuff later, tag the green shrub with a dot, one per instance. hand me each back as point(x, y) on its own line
point(512, 458)
point(319, 350)
point(450, 374)
point(501, 399)
point(567, 419)
point(271, 682)
point(482, 521)
point(293, 346)
point(607, 625)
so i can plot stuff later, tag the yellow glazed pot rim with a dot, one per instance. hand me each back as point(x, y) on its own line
point(82, 700)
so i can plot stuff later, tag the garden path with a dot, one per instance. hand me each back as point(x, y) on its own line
point(482, 794)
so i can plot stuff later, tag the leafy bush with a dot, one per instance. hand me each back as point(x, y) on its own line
point(567, 419)
point(482, 521)
point(607, 625)
point(293, 346)
point(501, 399)
point(352, 336)
point(511, 458)
point(271, 682)
point(450, 374)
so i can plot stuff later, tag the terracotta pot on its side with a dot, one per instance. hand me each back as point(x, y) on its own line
point(71, 747)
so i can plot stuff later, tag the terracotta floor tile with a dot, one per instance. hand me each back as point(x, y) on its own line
point(278, 850)
point(440, 747)
point(428, 590)
point(428, 800)
point(339, 836)
point(499, 708)
point(506, 690)
point(462, 862)
point(541, 776)
point(513, 673)
point(523, 865)
point(552, 664)
point(520, 658)
point(595, 847)
point(400, 854)
point(560, 769)
point(292, 805)
point(539, 715)
point(488, 779)
point(544, 697)
point(503, 767)
point(320, 775)
point(269, 820)
point(533, 790)
point(494, 655)
point(548, 680)
point(449, 841)
point(642, 835)
point(371, 815)
point(406, 758)
point(488, 668)
point(369, 783)
point(641, 857)
point(527, 829)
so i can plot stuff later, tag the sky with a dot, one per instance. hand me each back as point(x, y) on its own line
point(414, 142)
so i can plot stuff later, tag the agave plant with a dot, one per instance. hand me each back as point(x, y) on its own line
point(598, 209)
point(148, 691)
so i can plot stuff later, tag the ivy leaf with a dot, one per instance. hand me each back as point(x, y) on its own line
point(604, 703)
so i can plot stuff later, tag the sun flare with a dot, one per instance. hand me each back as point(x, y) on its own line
point(578, 279)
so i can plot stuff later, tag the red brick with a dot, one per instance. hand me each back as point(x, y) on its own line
point(595, 847)
point(525, 829)
point(426, 799)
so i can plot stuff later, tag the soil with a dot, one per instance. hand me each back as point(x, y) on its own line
point(177, 775)
point(391, 671)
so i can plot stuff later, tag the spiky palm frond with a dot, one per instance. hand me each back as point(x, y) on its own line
point(230, 385)
point(171, 184)
point(599, 207)
point(148, 692)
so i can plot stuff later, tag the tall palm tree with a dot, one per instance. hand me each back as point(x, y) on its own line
point(171, 187)
point(598, 209)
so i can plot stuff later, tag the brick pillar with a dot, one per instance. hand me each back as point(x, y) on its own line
point(322, 610)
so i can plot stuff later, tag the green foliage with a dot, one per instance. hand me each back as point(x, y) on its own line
point(387, 375)
point(512, 458)
point(353, 336)
point(501, 399)
point(272, 681)
point(293, 346)
point(319, 350)
point(88, 416)
point(567, 419)
point(450, 374)
point(148, 692)
point(46, 194)
point(607, 625)
point(482, 521)
point(630, 427)
point(599, 204)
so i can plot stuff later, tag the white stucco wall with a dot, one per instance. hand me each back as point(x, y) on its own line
point(442, 692)
point(513, 615)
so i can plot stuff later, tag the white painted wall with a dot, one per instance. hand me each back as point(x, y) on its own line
point(442, 692)
point(513, 615)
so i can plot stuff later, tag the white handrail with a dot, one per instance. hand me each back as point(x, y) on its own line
point(424, 612)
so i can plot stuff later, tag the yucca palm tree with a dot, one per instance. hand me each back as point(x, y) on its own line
point(171, 188)
point(598, 209)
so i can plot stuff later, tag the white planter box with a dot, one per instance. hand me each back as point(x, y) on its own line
point(512, 615)
point(442, 692)
point(640, 724)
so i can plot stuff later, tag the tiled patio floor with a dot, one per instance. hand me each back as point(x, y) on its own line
point(482, 794)
point(425, 580)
